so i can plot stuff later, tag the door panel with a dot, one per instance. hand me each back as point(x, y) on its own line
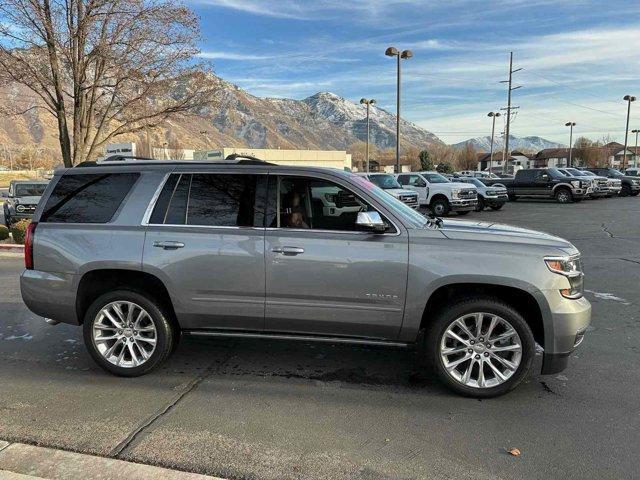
point(205, 240)
point(216, 280)
point(320, 281)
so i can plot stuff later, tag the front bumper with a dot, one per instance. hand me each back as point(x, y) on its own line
point(496, 199)
point(570, 319)
point(459, 205)
point(615, 190)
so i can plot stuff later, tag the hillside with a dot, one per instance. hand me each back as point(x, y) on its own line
point(321, 121)
point(532, 143)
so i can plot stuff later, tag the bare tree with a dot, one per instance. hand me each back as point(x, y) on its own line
point(466, 158)
point(103, 68)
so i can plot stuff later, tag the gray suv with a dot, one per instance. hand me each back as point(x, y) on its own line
point(140, 253)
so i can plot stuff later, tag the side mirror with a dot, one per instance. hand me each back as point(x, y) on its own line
point(544, 178)
point(371, 221)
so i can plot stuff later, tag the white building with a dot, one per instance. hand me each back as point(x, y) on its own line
point(307, 158)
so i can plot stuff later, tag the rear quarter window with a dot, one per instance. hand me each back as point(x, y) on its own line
point(87, 198)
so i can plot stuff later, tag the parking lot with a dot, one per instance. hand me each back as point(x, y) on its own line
point(285, 410)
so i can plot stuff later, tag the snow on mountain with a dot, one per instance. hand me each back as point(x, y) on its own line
point(532, 143)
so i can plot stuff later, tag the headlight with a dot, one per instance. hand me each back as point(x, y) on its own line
point(575, 183)
point(455, 192)
point(20, 208)
point(570, 267)
point(636, 182)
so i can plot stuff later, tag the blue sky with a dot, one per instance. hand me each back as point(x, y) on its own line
point(579, 58)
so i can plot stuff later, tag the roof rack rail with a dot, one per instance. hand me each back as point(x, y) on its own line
point(246, 159)
point(124, 158)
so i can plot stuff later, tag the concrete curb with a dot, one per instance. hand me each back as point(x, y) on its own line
point(11, 248)
point(19, 461)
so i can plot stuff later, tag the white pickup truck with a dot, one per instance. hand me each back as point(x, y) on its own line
point(389, 184)
point(439, 193)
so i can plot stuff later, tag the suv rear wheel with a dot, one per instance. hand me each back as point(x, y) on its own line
point(626, 191)
point(480, 347)
point(127, 333)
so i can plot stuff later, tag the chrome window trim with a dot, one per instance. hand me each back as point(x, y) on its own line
point(156, 195)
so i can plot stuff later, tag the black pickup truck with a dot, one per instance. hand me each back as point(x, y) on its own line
point(544, 183)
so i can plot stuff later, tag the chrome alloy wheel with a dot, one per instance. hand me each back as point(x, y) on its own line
point(124, 334)
point(480, 350)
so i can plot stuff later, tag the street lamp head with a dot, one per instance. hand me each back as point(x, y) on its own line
point(372, 101)
point(629, 98)
point(570, 124)
point(363, 101)
point(391, 52)
point(406, 54)
point(635, 130)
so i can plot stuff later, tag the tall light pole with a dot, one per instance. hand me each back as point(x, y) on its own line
point(570, 125)
point(629, 99)
point(405, 54)
point(368, 103)
point(493, 131)
point(635, 152)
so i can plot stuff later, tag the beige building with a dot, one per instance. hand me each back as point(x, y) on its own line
point(308, 158)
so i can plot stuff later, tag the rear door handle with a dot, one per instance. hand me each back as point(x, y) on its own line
point(288, 250)
point(168, 245)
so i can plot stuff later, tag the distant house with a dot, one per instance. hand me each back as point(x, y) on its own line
point(551, 157)
point(517, 161)
point(615, 153)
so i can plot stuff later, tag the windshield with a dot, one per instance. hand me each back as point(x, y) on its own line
point(435, 178)
point(475, 181)
point(30, 189)
point(587, 173)
point(556, 173)
point(408, 214)
point(576, 172)
point(615, 172)
point(384, 181)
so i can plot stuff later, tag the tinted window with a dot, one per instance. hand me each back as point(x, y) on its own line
point(177, 212)
point(91, 198)
point(318, 204)
point(223, 201)
point(384, 181)
point(526, 174)
point(30, 189)
point(163, 200)
point(435, 178)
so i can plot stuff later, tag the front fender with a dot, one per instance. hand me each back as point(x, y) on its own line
point(417, 300)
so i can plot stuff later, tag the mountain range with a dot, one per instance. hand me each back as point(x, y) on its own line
point(239, 119)
point(524, 144)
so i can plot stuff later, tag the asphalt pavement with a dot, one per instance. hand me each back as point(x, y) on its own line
point(249, 409)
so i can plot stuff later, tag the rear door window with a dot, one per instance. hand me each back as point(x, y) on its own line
point(210, 199)
point(87, 198)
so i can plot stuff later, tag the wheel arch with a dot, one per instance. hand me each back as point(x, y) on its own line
point(438, 196)
point(94, 283)
point(527, 300)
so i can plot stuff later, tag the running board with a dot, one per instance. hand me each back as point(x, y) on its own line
point(303, 338)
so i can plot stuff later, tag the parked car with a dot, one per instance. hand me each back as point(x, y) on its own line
point(477, 174)
point(630, 185)
point(140, 254)
point(599, 185)
point(545, 183)
point(493, 197)
point(22, 199)
point(632, 172)
point(389, 184)
point(614, 185)
point(439, 193)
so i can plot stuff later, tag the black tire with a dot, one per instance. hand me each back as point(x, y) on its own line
point(463, 213)
point(513, 198)
point(496, 207)
point(563, 195)
point(626, 191)
point(481, 205)
point(440, 207)
point(634, 194)
point(447, 315)
point(165, 335)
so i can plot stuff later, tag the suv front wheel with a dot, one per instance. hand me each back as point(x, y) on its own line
point(127, 333)
point(480, 347)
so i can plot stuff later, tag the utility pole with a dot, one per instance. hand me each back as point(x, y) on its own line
point(635, 152)
point(509, 108)
point(368, 103)
point(493, 116)
point(629, 99)
point(570, 125)
point(401, 55)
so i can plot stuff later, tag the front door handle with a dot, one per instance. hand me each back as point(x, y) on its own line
point(168, 245)
point(288, 250)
